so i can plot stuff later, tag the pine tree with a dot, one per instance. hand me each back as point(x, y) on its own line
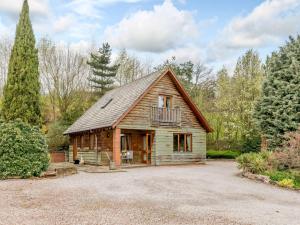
point(103, 72)
point(278, 110)
point(22, 90)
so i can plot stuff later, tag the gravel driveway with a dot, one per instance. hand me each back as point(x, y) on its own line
point(194, 194)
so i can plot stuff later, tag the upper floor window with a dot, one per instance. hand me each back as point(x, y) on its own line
point(165, 101)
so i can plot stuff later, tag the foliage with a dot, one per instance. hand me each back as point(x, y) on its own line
point(23, 150)
point(288, 156)
point(55, 138)
point(276, 175)
point(286, 183)
point(251, 144)
point(103, 73)
point(278, 110)
point(22, 90)
point(130, 68)
point(254, 162)
point(235, 98)
point(222, 154)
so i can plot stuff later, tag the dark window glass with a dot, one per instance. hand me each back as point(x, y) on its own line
point(175, 143)
point(181, 142)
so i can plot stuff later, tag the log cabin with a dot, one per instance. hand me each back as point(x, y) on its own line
point(151, 121)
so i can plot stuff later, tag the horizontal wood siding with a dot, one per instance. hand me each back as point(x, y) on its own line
point(90, 157)
point(164, 147)
point(139, 116)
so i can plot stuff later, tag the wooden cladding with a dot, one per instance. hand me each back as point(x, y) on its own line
point(165, 116)
point(182, 142)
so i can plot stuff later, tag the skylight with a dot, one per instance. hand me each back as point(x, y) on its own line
point(106, 104)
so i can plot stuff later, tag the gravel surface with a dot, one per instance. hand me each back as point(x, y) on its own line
point(194, 194)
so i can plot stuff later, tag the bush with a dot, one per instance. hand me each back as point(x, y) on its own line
point(288, 156)
point(252, 144)
point(55, 138)
point(254, 162)
point(286, 183)
point(23, 150)
point(276, 175)
point(225, 154)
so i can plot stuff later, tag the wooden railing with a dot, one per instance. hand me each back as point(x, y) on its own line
point(165, 117)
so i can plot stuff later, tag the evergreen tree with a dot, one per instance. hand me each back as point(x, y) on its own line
point(103, 72)
point(22, 90)
point(278, 110)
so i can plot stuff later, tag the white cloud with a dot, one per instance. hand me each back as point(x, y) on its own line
point(182, 54)
point(63, 23)
point(91, 8)
point(267, 24)
point(163, 28)
point(37, 7)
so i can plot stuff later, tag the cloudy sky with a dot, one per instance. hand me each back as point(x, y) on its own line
point(212, 31)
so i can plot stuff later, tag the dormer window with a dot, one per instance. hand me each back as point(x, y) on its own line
point(165, 101)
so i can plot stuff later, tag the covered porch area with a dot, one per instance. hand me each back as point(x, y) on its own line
point(132, 147)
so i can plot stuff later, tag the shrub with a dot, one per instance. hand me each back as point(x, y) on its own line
point(254, 162)
point(23, 150)
point(286, 183)
point(252, 144)
point(276, 175)
point(55, 138)
point(225, 154)
point(288, 156)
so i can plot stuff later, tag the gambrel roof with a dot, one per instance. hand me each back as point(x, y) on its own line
point(110, 109)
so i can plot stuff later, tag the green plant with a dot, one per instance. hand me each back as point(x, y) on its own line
point(55, 138)
point(23, 150)
point(276, 175)
point(254, 162)
point(222, 154)
point(286, 183)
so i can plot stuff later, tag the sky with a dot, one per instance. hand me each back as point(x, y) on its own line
point(214, 32)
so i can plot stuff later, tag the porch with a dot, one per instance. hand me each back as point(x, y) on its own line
point(125, 147)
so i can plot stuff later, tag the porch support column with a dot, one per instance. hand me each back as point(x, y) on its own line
point(117, 146)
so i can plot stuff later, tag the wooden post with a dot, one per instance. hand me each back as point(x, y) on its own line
point(117, 146)
point(75, 149)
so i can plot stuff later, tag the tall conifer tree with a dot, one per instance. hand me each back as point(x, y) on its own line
point(278, 110)
point(22, 89)
point(103, 73)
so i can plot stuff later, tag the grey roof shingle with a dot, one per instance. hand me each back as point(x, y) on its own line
point(109, 108)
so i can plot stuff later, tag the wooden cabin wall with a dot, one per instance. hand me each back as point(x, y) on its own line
point(86, 147)
point(139, 117)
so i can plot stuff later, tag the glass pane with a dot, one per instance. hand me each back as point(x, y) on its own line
point(160, 101)
point(123, 143)
point(181, 142)
point(175, 143)
point(168, 102)
point(188, 143)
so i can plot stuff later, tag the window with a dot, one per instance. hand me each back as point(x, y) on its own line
point(125, 142)
point(164, 101)
point(182, 142)
point(106, 104)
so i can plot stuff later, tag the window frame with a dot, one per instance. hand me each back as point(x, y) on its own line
point(165, 101)
point(186, 135)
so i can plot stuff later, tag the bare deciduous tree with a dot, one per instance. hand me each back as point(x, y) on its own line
point(5, 50)
point(63, 72)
